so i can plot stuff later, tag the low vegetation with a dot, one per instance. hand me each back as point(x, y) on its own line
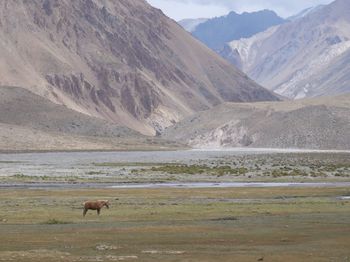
point(253, 168)
point(241, 224)
point(199, 169)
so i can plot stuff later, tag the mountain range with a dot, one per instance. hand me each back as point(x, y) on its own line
point(307, 57)
point(119, 75)
point(218, 31)
point(305, 12)
point(122, 61)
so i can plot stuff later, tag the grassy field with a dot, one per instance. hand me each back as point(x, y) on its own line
point(248, 224)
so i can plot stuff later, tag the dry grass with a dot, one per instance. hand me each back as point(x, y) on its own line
point(295, 224)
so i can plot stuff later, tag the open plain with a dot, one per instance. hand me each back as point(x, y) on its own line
point(41, 198)
point(240, 224)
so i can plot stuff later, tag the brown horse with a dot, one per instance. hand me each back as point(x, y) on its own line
point(95, 205)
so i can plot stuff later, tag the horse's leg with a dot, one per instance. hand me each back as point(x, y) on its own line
point(85, 211)
point(98, 211)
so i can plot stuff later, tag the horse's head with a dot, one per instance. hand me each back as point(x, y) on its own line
point(106, 203)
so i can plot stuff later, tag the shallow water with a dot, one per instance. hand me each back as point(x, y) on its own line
point(234, 185)
point(75, 158)
point(80, 158)
point(79, 164)
point(270, 150)
point(173, 185)
point(344, 198)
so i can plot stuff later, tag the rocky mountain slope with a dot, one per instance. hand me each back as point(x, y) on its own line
point(31, 122)
point(122, 61)
point(216, 32)
point(191, 24)
point(321, 123)
point(303, 58)
point(304, 12)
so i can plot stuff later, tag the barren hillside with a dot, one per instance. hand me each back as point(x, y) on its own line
point(306, 57)
point(29, 122)
point(122, 61)
point(322, 123)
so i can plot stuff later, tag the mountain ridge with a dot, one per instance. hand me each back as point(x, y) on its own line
point(293, 59)
point(191, 24)
point(305, 12)
point(216, 32)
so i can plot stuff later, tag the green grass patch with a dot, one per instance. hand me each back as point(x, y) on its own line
point(10, 162)
point(200, 169)
point(91, 173)
point(19, 176)
point(229, 224)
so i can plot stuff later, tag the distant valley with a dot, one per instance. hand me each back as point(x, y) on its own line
point(301, 56)
point(306, 57)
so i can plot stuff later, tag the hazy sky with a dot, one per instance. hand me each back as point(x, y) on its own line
point(180, 9)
